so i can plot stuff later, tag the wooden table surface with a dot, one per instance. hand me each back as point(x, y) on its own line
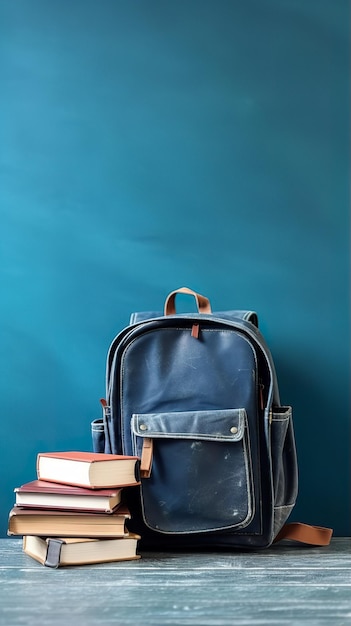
point(281, 585)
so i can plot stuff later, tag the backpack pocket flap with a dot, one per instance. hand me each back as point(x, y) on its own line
point(221, 425)
point(187, 458)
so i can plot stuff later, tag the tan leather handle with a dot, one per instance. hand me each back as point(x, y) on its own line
point(303, 533)
point(203, 303)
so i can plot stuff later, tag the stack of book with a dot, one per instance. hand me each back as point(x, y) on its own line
point(73, 513)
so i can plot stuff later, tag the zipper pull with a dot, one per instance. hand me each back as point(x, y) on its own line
point(105, 407)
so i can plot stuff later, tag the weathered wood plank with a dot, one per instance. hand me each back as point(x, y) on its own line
point(282, 585)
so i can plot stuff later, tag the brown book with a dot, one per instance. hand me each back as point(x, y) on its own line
point(48, 495)
point(51, 523)
point(88, 469)
point(57, 552)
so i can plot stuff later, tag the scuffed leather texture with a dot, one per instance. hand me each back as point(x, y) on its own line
point(207, 487)
point(222, 425)
point(194, 499)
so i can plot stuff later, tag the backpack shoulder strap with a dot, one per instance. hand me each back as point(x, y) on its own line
point(303, 533)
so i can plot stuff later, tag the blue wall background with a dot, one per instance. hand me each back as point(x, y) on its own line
point(151, 144)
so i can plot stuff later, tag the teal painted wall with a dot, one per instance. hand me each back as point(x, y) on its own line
point(150, 144)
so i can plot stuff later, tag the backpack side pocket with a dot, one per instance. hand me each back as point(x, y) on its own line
point(284, 464)
point(98, 435)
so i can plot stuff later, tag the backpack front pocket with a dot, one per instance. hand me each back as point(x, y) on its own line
point(200, 476)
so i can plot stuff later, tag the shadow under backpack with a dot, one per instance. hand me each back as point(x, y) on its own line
point(195, 397)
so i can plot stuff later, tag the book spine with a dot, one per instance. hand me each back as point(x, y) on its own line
point(37, 465)
point(53, 553)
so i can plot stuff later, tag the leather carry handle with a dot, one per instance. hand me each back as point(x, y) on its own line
point(303, 533)
point(203, 303)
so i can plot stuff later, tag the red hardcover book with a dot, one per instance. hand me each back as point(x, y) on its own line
point(48, 495)
point(88, 469)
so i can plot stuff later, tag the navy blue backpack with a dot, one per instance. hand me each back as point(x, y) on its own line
point(196, 397)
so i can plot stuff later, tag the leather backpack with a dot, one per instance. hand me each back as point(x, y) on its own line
point(195, 396)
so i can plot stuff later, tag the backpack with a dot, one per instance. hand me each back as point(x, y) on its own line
point(195, 396)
